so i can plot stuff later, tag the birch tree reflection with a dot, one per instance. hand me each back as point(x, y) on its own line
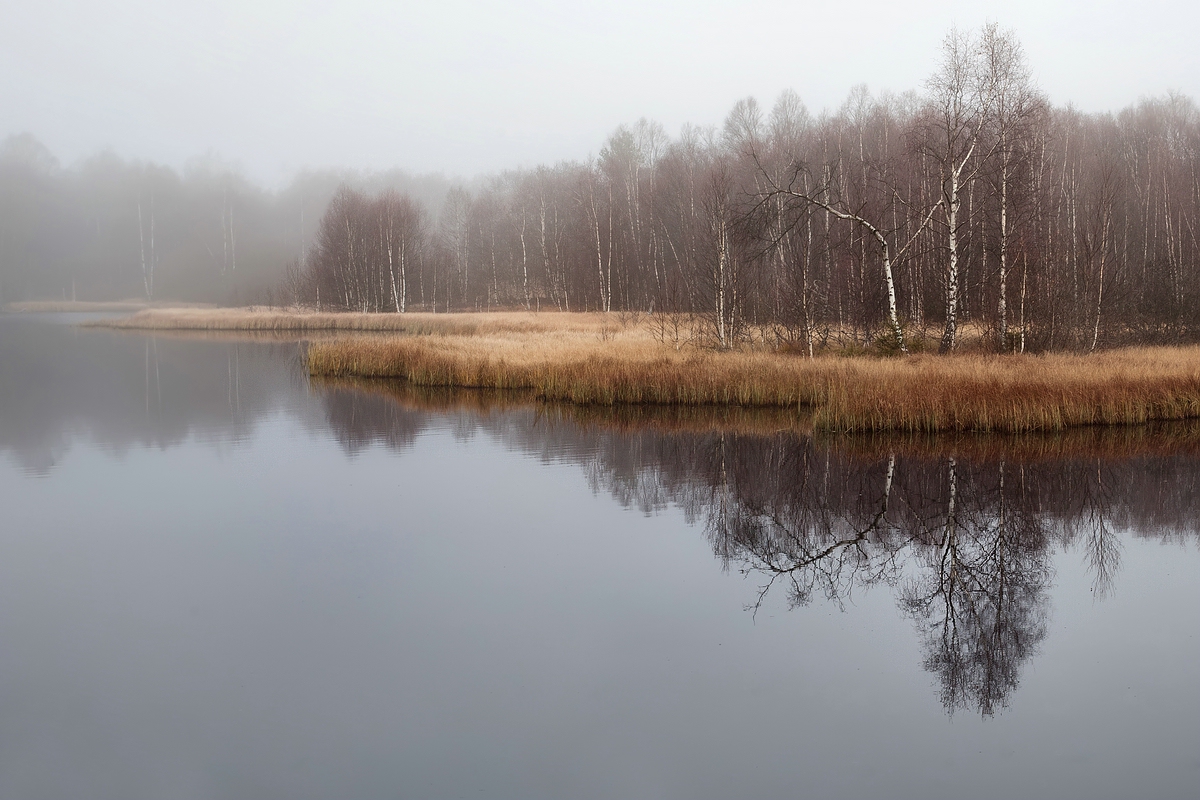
point(966, 552)
point(962, 533)
point(978, 594)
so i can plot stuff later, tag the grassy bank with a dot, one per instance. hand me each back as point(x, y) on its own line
point(921, 393)
point(282, 320)
point(613, 359)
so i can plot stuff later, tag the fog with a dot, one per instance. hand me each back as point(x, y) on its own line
point(472, 87)
point(109, 228)
point(188, 153)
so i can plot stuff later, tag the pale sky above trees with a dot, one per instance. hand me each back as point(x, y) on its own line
point(472, 87)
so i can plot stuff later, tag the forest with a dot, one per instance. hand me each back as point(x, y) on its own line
point(970, 207)
point(110, 228)
point(974, 202)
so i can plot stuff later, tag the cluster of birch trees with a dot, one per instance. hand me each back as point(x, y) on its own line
point(973, 205)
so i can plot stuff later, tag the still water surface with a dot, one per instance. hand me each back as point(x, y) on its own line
point(219, 581)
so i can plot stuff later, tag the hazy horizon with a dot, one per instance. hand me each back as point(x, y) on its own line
point(465, 89)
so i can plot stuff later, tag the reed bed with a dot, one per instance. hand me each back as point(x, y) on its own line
point(1013, 394)
point(572, 367)
point(923, 393)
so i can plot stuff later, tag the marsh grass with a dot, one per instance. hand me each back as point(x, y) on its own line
point(614, 359)
point(919, 393)
point(252, 319)
point(1013, 393)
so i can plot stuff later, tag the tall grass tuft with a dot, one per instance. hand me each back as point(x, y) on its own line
point(1014, 393)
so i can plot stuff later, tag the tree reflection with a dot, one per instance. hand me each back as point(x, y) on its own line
point(969, 559)
point(962, 531)
point(979, 597)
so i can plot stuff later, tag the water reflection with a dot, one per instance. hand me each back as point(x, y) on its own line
point(59, 383)
point(962, 529)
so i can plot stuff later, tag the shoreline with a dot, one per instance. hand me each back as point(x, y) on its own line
point(255, 318)
point(611, 360)
point(915, 394)
point(1107, 442)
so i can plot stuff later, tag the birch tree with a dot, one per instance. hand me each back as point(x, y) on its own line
point(1009, 118)
point(957, 104)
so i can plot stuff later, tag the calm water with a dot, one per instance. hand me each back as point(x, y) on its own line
point(218, 581)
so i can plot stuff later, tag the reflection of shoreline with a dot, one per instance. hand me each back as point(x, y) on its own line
point(1084, 442)
point(961, 528)
point(625, 417)
point(60, 384)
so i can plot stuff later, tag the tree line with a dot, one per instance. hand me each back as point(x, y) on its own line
point(972, 205)
point(108, 228)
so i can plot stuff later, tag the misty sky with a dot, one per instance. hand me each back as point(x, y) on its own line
point(469, 87)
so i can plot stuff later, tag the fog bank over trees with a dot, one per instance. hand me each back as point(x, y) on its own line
point(112, 229)
point(971, 201)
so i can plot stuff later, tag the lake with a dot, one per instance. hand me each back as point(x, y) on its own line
point(221, 580)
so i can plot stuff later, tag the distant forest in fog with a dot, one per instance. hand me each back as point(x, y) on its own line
point(973, 201)
point(114, 229)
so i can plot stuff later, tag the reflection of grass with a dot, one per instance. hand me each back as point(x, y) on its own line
point(1108, 442)
point(1085, 442)
point(760, 420)
point(914, 393)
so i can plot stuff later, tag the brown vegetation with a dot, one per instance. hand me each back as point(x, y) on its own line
point(919, 393)
point(1105, 442)
point(303, 320)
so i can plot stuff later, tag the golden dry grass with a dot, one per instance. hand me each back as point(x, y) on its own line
point(280, 320)
point(615, 359)
point(1014, 393)
point(922, 393)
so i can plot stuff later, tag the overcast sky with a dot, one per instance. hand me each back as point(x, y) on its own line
point(469, 87)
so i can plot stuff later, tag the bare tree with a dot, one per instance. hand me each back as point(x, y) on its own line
point(958, 101)
point(1009, 119)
